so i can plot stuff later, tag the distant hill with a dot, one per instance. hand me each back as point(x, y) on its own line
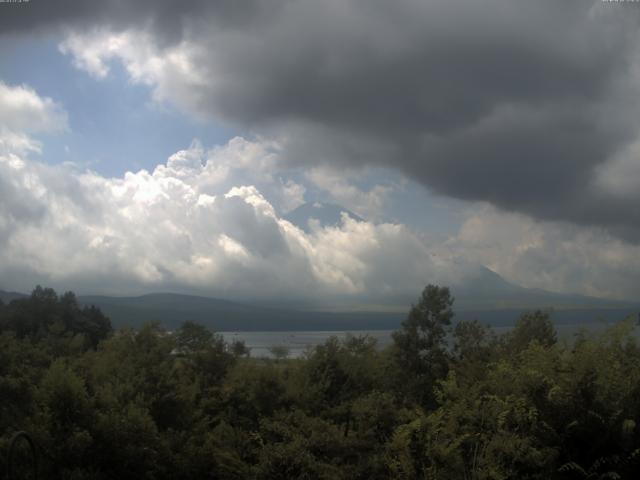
point(222, 315)
point(6, 297)
point(327, 214)
point(485, 289)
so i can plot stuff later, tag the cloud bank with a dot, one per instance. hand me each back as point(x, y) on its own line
point(528, 110)
point(166, 229)
point(180, 228)
point(527, 107)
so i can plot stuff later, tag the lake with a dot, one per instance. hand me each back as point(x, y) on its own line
point(299, 341)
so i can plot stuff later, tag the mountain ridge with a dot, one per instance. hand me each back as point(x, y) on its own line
point(486, 288)
point(496, 302)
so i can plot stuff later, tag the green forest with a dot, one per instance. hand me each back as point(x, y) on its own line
point(447, 400)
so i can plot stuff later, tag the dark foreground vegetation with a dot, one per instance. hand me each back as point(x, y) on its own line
point(445, 401)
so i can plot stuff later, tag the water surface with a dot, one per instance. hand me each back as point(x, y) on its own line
point(299, 341)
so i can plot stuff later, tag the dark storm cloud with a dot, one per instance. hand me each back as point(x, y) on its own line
point(168, 18)
point(515, 103)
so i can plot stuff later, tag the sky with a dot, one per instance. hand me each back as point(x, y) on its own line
point(158, 146)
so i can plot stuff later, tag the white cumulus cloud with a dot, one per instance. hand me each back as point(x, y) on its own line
point(173, 72)
point(24, 112)
point(178, 227)
point(210, 220)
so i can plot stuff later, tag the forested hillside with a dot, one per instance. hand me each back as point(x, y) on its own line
point(447, 400)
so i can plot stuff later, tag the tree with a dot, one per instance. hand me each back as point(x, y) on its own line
point(474, 345)
point(206, 352)
point(192, 337)
point(239, 348)
point(532, 326)
point(58, 320)
point(280, 352)
point(97, 326)
point(420, 345)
